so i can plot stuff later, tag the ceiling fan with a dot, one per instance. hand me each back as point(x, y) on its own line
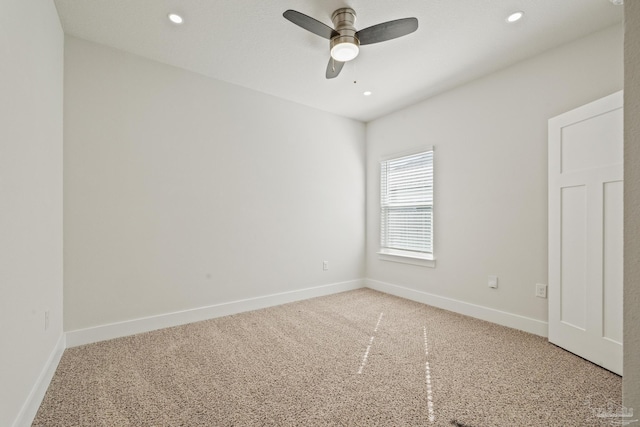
point(345, 41)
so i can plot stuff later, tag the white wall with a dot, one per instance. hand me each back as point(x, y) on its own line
point(183, 192)
point(490, 139)
point(631, 380)
point(31, 68)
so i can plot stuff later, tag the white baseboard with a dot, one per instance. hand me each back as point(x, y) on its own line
point(130, 327)
point(32, 403)
point(146, 324)
point(527, 324)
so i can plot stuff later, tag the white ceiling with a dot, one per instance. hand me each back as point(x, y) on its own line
point(249, 43)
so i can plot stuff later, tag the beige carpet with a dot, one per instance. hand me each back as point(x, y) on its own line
point(358, 358)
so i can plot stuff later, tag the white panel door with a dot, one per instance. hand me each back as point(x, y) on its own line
point(585, 231)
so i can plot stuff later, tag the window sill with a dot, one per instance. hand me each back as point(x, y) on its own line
point(407, 257)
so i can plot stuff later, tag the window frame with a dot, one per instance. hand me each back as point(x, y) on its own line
point(423, 259)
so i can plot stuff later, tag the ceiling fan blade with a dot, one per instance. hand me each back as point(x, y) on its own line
point(387, 31)
point(310, 24)
point(333, 68)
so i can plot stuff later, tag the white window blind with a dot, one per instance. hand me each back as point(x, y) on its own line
point(406, 203)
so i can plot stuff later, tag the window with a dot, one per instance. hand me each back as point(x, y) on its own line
point(406, 208)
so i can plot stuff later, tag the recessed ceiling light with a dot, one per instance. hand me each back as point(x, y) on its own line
point(367, 93)
point(175, 18)
point(515, 16)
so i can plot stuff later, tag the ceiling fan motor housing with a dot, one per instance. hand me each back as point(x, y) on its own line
point(344, 20)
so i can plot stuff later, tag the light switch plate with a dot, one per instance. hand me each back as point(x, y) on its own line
point(493, 282)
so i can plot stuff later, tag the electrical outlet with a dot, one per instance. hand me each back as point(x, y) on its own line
point(46, 320)
point(325, 265)
point(541, 290)
point(493, 282)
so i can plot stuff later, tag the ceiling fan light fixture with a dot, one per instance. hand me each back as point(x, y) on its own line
point(344, 48)
point(344, 51)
